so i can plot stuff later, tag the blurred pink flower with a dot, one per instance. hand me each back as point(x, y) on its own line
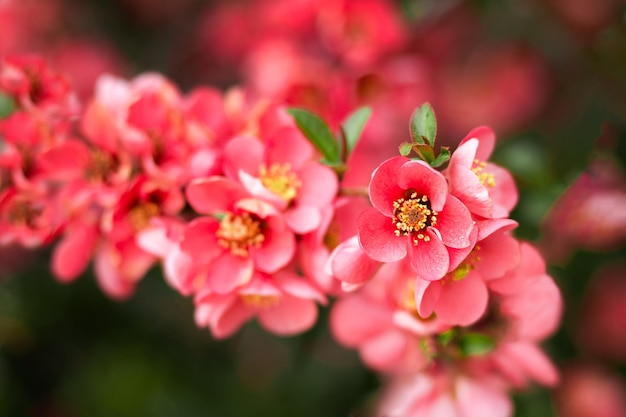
point(284, 304)
point(601, 328)
point(445, 394)
point(588, 390)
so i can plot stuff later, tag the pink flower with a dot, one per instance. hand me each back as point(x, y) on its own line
point(242, 235)
point(284, 304)
point(413, 215)
point(461, 297)
point(381, 321)
point(281, 171)
point(590, 391)
point(486, 189)
point(601, 328)
point(445, 394)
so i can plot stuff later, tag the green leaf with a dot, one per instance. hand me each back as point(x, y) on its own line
point(425, 152)
point(6, 106)
point(318, 133)
point(353, 126)
point(476, 344)
point(446, 337)
point(423, 125)
point(442, 158)
point(405, 148)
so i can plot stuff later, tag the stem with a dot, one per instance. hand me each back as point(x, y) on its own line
point(354, 192)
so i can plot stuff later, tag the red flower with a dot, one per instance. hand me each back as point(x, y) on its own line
point(413, 215)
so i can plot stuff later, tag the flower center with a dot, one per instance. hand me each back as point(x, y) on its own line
point(23, 213)
point(140, 215)
point(281, 180)
point(240, 232)
point(412, 216)
point(101, 165)
point(259, 301)
point(487, 179)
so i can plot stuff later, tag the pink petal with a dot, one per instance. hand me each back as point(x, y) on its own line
point(499, 253)
point(73, 253)
point(291, 316)
point(66, 161)
point(229, 272)
point(350, 264)
point(487, 227)
point(419, 176)
point(504, 194)
point(464, 154)
point(303, 219)
point(214, 194)
point(477, 397)
point(386, 351)
point(108, 276)
point(534, 361)
point(429, 259)
point(228, 315)
point(199, 240)
point(298, 287)
point(377, 239)
point(319, 185)
point(288, 145)
point(355, 319)
point(384, 188)
point(427, 294)
point(455, 224)
point(462, 302)
point(243, 153)
point(465, 185)
point(278, 248)
point(486, 141)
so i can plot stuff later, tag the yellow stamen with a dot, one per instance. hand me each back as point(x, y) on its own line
point(140, 215)
point(412, 216)
point(259, 301)
point(240, 232)
point(281, 180)
point(487, 179)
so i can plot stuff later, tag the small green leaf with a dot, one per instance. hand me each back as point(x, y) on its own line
point(442, 158)
point(6, 106)
point(476, 344)
point(405, 148)
point(446, 337)
point(423, 125)
point(318, 133)
point(425, 152)
point(353, 126)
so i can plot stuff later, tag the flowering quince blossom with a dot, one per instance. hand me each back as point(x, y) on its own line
point(461, 297)
point(241, 234)
point(246, 206)
point(446, 394)
point(283, 303)
point(414, 215)
point(381, 321)
point(281, 171)
point(486, 189)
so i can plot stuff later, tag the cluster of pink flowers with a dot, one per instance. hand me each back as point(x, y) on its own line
point(231, 196)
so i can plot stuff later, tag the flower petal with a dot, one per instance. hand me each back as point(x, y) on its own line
point(291, 316)
point(377, 239)
point(455, 224)
point(462, 302)
point(384, 188)
point(429, 259)
point(421, 177)
point(214, 194)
